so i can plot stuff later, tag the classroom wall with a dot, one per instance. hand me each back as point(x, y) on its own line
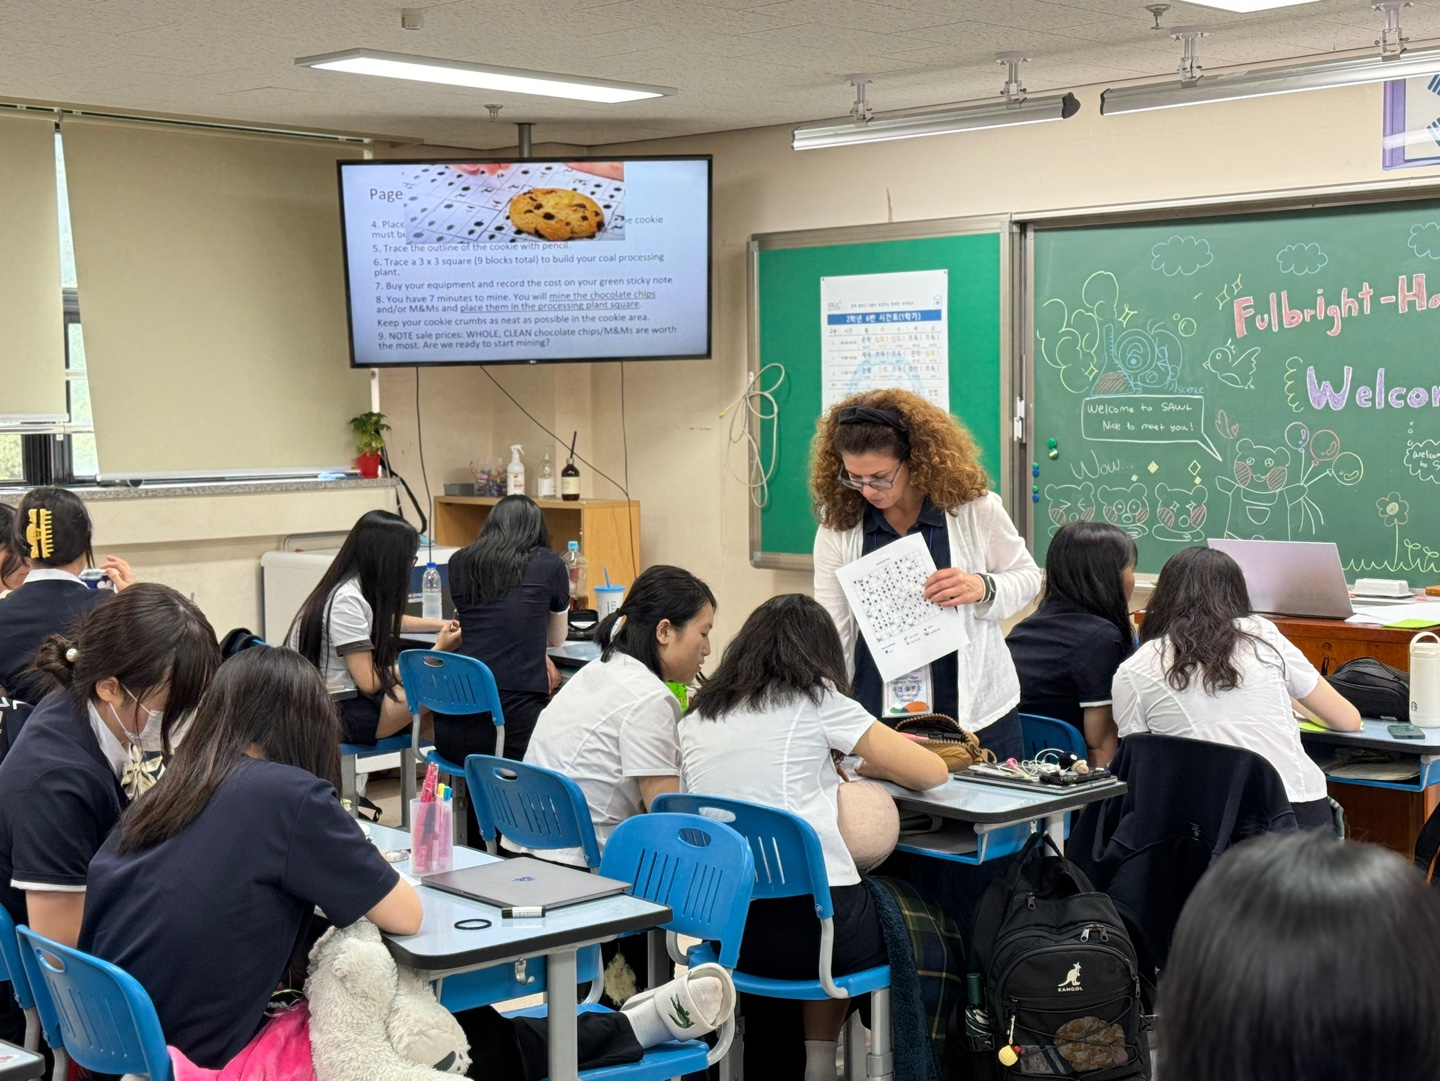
point(693, 510)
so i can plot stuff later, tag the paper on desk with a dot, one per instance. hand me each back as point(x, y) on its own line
point(1418, 614)
point(886, 593)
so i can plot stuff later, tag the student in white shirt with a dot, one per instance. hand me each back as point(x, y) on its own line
point(349, 627)
point(1209, 668)
point(611, 728)
point(764, 729)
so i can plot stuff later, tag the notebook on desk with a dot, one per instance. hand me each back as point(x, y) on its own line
point(524, 883)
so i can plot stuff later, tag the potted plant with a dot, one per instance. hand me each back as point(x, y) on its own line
point(369, 429)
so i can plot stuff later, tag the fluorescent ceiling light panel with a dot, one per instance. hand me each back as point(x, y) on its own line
point(912, 124)
point(426, 69)
point(1321, 75)
point(1249, 5)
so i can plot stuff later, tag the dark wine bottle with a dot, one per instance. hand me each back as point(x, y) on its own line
point(570, 481)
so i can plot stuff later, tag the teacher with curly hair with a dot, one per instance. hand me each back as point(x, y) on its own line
point(887, 464)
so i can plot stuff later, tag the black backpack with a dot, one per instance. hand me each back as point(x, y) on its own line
point(1055, 972)
point(1373, 687)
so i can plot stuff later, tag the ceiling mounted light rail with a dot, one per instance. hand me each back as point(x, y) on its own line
point(867, 126)
point(427, 69)
point(1196, 88)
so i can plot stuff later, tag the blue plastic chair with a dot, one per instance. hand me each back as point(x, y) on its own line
point(704, 871)
point(536, 808)
point(789, 863)
point(352, 753)
point(450, 683)
point(92, 1012)
point(1047, 734)
point(13, 970)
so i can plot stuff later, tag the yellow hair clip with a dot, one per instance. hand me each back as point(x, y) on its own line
point(40, 533)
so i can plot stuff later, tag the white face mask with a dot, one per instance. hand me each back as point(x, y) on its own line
point(150, 738)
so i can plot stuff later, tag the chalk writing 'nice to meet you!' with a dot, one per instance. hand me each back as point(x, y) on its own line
point(1409, 296)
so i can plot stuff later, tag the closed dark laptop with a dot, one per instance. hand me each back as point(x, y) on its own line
point(524, 882)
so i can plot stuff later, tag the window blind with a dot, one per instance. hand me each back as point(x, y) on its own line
point(211, 299)
point(32, 347)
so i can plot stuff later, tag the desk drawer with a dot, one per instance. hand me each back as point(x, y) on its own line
point(1328, 653)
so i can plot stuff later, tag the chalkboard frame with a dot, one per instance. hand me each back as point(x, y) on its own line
point(1003, 225)
point(1377, 193)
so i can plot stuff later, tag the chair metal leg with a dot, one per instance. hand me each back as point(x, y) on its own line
point(347, 783)
point(32, 1029)
point(407, 786)
point(880, 1062)
point(660, 969)
point(855, 1052)
point(62, 1066)
point(732, 1066)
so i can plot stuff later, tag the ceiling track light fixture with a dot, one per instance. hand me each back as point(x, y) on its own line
point(864, 125)
point(428, 69)
point(1194, 87)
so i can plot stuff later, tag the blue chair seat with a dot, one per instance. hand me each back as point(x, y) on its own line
point(444, 765)
point(388, 745)
point(855, 984)
point(674, 1059)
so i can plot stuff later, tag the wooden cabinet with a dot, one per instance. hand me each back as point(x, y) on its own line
point(608, 530)
point(1386, 816)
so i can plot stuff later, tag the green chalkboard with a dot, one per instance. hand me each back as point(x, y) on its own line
point(786, 284)
point(1274, 376)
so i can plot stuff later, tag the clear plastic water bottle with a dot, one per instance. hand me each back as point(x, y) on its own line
point(430, 593)
point(578, 570)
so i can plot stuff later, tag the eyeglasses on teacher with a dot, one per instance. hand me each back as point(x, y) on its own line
point(875, 484)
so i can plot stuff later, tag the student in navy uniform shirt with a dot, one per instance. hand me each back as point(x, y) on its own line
point(512, 596)
point(52, 595)
point(212, 880)
point(137, 664)
point(1067, 651)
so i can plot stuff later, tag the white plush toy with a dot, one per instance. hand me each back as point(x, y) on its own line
point(371, 1020)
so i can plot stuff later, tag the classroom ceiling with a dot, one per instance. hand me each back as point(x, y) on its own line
point(737, 63)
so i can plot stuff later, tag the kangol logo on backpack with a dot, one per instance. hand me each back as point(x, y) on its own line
point(1072, 979)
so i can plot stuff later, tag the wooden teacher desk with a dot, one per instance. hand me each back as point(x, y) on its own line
point(1386, 816)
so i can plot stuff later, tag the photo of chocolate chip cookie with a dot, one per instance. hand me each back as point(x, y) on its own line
point(556, 214)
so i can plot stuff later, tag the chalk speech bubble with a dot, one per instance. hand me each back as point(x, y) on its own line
point(1146, 418)
point(1422, 458)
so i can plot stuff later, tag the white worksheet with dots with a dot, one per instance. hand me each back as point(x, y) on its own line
point(886, 591)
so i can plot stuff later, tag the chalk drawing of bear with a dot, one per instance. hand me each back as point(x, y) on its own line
point(1179, 513)
point(1070, 503)
point(1261, 494)
point(1128, 508)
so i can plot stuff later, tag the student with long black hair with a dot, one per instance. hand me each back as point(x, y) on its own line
point(763, 729)
point(611, 729)
point(512, 595)
point(124, 680)
point(1209, 668)
point(1300, 959)
point(349, 627)
point(212, 881)
point(50, 531)
point(1067, 651)
point(13, 566)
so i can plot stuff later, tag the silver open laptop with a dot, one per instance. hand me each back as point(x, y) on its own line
point(523, 882)
point(1291, 578)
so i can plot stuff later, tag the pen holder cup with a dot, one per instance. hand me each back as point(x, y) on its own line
point(432, 836)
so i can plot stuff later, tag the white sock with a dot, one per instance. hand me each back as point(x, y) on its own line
point(820, 1060)
point(683, 1009)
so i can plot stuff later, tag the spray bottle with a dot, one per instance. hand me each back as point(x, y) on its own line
point(515, 472)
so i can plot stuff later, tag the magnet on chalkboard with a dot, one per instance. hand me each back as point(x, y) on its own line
point(1034, 469)
point(1034, 487)
point(1034, 497)
point(1054, 454)
point(1051, 443)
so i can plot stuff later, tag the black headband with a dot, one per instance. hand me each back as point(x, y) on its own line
point(867, 414)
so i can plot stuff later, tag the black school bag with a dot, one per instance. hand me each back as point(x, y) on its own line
point(1373, 687)
point(1058, 977)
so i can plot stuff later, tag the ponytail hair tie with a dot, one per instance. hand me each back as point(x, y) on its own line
point(615, 628)
point(72, 655)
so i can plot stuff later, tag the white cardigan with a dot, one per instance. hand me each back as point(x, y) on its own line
point(982, 539)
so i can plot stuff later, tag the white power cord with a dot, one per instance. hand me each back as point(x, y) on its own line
point(757, 402)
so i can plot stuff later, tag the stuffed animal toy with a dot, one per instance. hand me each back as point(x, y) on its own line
point(371, 1020)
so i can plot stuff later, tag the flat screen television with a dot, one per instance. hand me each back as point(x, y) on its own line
point(490, 261)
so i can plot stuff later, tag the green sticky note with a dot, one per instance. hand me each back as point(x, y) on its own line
point(1311, 726)
point(1413, 624)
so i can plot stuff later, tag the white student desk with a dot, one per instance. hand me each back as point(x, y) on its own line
point(439, 949)
point(997, 819)
point(1375, 736)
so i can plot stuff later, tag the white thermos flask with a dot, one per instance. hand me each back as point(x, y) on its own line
point(1425, 680)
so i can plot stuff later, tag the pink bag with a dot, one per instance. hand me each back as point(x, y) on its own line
point(280, 1051)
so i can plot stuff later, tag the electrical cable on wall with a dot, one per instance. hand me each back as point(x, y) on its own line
point(624, 489)
point(625, 447)
point(424, 477)
point(757, 403)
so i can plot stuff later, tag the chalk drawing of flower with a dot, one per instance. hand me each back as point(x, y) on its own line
point(1394, 511)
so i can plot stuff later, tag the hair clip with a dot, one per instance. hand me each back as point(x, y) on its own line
point(616, 627)
point(72, 655)
point(40, 533)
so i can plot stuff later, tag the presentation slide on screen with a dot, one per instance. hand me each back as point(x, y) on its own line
point(535, 260)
